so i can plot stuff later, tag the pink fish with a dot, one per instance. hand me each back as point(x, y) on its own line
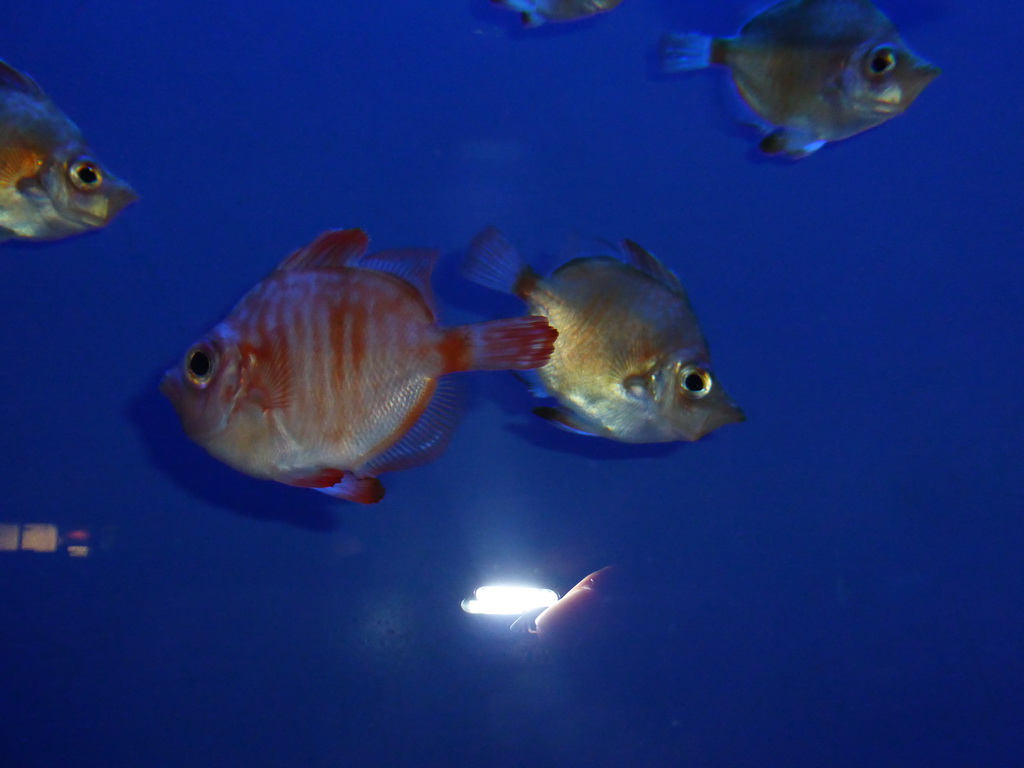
point(330, 371)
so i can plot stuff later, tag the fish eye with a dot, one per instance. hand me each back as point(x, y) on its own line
point(85, 174)
point(881, 60)
point(695, 382)
point(200, 366)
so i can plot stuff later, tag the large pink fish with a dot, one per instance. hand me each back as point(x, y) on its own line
point(329, 372)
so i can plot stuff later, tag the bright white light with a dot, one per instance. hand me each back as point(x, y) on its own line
point(499, 600)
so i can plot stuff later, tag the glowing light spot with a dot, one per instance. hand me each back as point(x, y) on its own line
point(508, 600)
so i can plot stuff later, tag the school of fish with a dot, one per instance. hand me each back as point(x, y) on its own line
point(334, 369)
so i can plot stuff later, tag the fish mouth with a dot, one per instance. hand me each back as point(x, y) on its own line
point(118, 198)
point(170, 387)
point(725, 413)
point(918, 79)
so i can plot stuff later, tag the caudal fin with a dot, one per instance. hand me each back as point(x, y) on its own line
point(517, 343)
point(493, 261)
point(683, 52)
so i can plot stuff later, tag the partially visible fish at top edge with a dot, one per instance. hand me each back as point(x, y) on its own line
point(535, 12)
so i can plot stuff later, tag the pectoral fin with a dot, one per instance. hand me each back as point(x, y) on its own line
point(361, 490)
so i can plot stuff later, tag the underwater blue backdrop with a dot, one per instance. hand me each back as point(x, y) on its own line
point(836, 582)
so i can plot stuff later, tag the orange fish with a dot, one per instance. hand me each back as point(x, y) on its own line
point(50, 185)
point(330, 371)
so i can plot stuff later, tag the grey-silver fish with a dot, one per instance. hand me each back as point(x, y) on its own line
point(535, 12)
point(813, 71)
point(50, 185)
point(630, 362)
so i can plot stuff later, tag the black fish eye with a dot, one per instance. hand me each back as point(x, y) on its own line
point(882, 60)
point(199, 366)
point(695, 382)
point(85, 174)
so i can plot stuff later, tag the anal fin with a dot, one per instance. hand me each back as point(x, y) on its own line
point(361, 490)
point(321, 478)
point(341, 485)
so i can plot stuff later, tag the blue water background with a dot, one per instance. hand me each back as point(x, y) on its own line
point(837, 582)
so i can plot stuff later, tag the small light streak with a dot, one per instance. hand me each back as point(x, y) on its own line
point(508, 600)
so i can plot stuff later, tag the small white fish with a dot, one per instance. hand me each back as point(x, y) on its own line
point(535, 12)
point(813, 71)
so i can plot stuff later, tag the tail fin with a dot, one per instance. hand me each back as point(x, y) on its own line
point(493, 261)
point(517, 343)
point(683, 52)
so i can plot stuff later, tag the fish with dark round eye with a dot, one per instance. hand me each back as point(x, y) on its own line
point(812, 71)
point(630, 362)
point(333, 369)
point(535, 12)
point(50, 184)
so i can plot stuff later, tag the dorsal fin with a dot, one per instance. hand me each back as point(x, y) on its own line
point(18, 81)
point(414, 265)
point(651, 266)
point(333, 249)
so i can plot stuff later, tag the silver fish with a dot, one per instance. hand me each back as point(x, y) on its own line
point(630, 361)
point(535, 12)
point(813, 71)
point(50, 185)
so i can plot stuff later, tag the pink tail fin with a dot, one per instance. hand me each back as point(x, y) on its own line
point(518, 343)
